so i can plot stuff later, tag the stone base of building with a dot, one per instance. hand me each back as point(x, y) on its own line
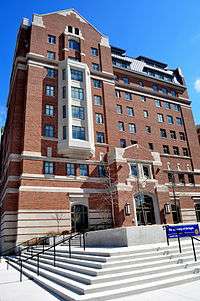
point(126, 236)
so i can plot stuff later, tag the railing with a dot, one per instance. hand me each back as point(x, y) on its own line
point(61, 239)
point(20, 261)
point(179, 232)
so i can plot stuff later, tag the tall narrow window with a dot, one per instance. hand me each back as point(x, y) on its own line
point(49, 110)
point(48, 130)
point(48, 168)
point(64, 132)
point(51, 39)
point(100, 137)
point(50, 90)
point(70, 169)
point(83, 170)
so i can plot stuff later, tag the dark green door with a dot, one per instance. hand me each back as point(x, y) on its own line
point(79, 217)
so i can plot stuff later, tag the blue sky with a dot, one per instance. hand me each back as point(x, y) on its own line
point(168, 31)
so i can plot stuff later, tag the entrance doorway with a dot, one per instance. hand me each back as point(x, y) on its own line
point(79, 217)
point(144, 210)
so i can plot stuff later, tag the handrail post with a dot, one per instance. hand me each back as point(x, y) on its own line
point(70, 251)
point(179, 242)
point(80, 239)
point(43, 245)
point(21, 270)
point(84, 241)
point(193, 247)
point(54, 251)
point(38, 264)
point(166, 233)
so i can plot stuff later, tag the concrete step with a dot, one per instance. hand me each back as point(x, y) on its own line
point(112, 294)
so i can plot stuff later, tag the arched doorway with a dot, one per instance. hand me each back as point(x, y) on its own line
point(144, 210)
point(79, 217)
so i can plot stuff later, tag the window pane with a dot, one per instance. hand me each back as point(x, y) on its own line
point(77, 93)
point(78, 132)
point(83, 170)
point(134, 170)
point(76, 75)
point(73, 44)
point(78, 112)
point(70, 169)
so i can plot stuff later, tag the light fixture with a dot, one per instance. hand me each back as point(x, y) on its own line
point(127, 209)
point(167, 208)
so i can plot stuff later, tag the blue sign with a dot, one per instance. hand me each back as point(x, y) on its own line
point(182, 230)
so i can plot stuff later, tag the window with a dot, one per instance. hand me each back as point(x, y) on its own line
point(170, 177)
point(120, 126)
point(100, 137)
point(164, 91)
point(143, 98)
point(173, 93)
point(170, 119)
point(48, 168)
point(146, 171)
point(148, 129)
point(166, 149)
point(94, 51)
point(73, 44)
point(167, 105)
point(51, 39)
point(76, 75)
point(151, 147)
point(64, 92)
point(197, 211)
point(158, 103)
point(49, 110)
point(78, 132)
point(64, 111)
point(50, 90)
point(64, 132)
point(182, 136)
point(95, 67)
point(176, 107)
point(155, 88)
point(173, 134)
point(125, 80)
point(83, 170)
point(181, 178)
point(51, 72)
point(101, 171)
point(132, 128)
point(77, 93)
point(163, 133)
point(160, 118)
point(179, 121)
point(176, 150)
point(48, 130)
point(51, 55)
point(97, 100)
point(146, 114)
point(134, 170)
point(128, 96)
point(191, 178)
point(130, 111)
point(78, 112)
point(122, 143)
point(70, 28)
point(76, 31)
point(63, 74)
point(119, 109)
point(133, 142)
point(117, 93)
point(99, 118)
point(97, 83)
point(185, 152)
point(70, 169)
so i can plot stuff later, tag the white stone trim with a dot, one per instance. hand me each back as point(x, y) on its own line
point(41, 65)
point(110, 81)
point(37, 20)
point(29, 153)
point(151, 96)
point(60, 189)
point(105, 42)
point(62, 178)
point(181, 193)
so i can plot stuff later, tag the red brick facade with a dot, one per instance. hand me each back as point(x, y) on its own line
point(160, 170)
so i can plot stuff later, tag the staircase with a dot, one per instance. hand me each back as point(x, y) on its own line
point(106, 274)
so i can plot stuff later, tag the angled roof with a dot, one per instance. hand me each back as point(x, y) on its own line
point(66, 11)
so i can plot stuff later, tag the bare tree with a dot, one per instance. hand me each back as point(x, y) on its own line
point(59, 217)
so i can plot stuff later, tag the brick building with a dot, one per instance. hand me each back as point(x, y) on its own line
point(92, 135)
point(198, 132)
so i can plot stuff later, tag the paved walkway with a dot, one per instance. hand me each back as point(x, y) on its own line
point(11, 289)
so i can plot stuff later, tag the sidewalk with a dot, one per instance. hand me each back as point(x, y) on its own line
point(11, 289)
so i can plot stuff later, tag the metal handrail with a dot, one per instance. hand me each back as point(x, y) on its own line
point(20, 261)
point(179, 241)
point(17, 247)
